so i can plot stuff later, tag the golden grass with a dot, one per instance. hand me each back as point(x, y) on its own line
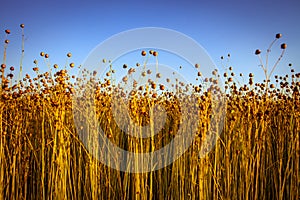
point(42, 156)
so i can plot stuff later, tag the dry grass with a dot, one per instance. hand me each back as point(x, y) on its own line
point(42, 157)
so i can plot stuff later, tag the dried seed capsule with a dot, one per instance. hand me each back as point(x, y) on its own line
point(278, 35)
point(72, 65)
point(161, 87)
point(283, 46)
point(257, 52)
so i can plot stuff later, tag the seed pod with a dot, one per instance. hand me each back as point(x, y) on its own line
point(278, 35)
point(161, 87)
point(7, 31)
point(3, 66)
point(257, 52)
point(143, 53)
point(155, 53)
point(124, 79)
point(153, 85)
point(283, 46)
point(22, 25)
point(69, 55)
point(72, 65)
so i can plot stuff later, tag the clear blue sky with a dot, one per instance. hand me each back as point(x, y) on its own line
point(236, 27)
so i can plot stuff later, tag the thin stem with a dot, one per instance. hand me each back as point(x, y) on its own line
point(268, 52)
point(280, 57)
point(22, 57)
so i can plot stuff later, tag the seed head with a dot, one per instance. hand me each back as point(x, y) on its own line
point(72, 65)
point(12, 68)
point(124, 66)
point(124, 79)
point(144, 53)
point(257, 52)
point(278, 35)
point(153, 85)
point(155, 53)
point(272, 86)
point(7, 31)
point(22, 25)
point(283, 46)
point(42, 54)
point(10, 75)
point(69, 55)
point(35, 69)
point(46, 55)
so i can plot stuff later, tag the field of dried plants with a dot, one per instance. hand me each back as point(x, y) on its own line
point(42, 157)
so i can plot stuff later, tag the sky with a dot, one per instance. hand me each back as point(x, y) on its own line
point(238, 27)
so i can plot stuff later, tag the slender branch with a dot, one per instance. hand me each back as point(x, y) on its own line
point(280, 57)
